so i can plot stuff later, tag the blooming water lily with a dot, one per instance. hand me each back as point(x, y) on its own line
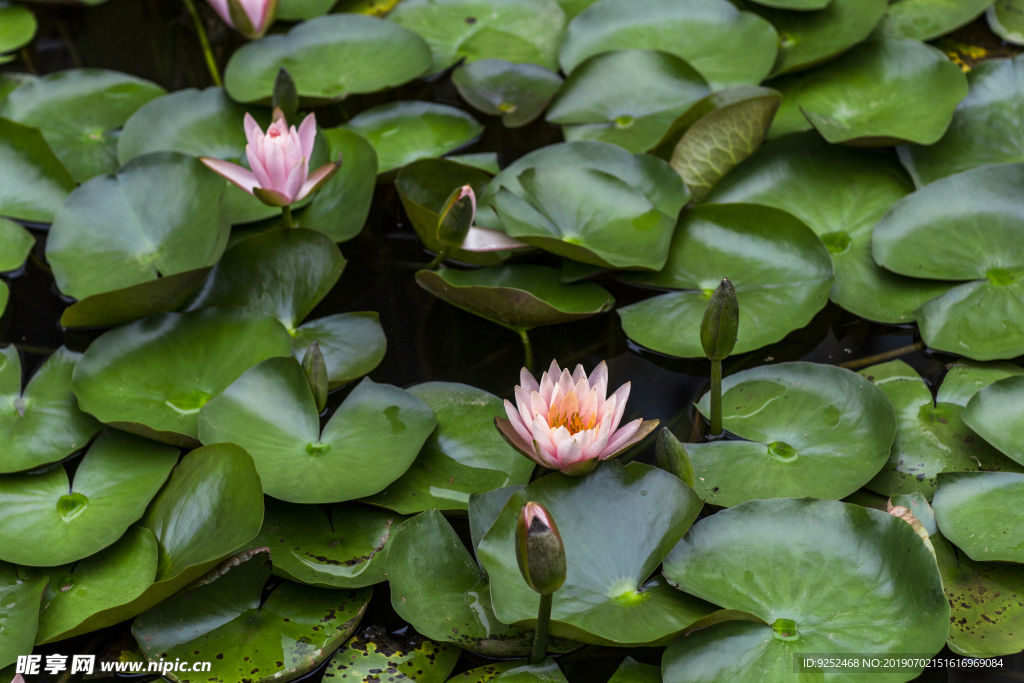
point(251, 18)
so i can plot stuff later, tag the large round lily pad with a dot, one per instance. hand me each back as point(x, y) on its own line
point(17, 27)
point(225, 621)
point(463, 456)
point(20, 596)
point(373, 654)
point(997, 414)
point(979, 512)
point(1006, 19)
point(15, 244)
point(329, 58)
point(964, 227)
point(626, 97)
point(151, 377)
point(932, 435)
point(808, 430)
point(370, 440)
point(86, 142)
point(513, 30)
point(33, 181)
point(339, 208)
point(49, 520)
point(607, 596)
point(793, 173)
point(41, 423)
point(881, 92)
point(987, 126)
point(517, 297)
point(927, 19)
point(348, 549)
point(825, 577)
point(518, 93)
point(780, 269)
point(727, 46)
point(402, 132)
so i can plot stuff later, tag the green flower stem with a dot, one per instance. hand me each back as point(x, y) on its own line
point(540, 643)
point(716, 397)
point(888, 355)
point(527, 349)
point(286, 211)
point(441, 256)
point(211, 63)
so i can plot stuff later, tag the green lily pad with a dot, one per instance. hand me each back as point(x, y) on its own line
point(370, 440)
point(301, 10)
point(464, 455)
point(438, 588)
point(101, 100)
point(373, 654)
point(809, 430)
point(517, 297)
point(881, 92)
point(793, 173)
point(339, 208)
point(225, 621)
point(825, 577)
point(986, 619)
point(606, 598)
point(488, 672)
point(933, 436)
point(484, 509)
point(927, 19)
point(402, 132)
point(963, 228)
point(17, 28)
point(119, 306)
point(484, 161)
point(586, 215)
point(49, 520)
point(978, 512)
point(728, 47)
point(346, 550)
point(1006, 19)
point(41, 423)
point(987, 127)
point(151, 377)
point(626, 97)
point(352, 344)
point(518, 93)
point(20, 597)
point(11, 80)
point(781, 271)
point(4, 294)
point(158, 216)
point(513, 30)
point(802, 5)
point(33, 181)
point(995, 413)
point(632, 671)
point(329, 58)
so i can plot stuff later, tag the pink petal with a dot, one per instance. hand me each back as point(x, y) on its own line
point(259, 169)
point(527, 381)
point(621, 437)
point(517, 423)
point(579, 374)
point(239, 175)
point(599, 373)
point(307, 135)
point(596, 448)
point(621, 395)
point(523, 403)
point(485, 239)
point(252, 129)
point(569, 452)
point(221, 8)
point(315, 177)
point(296, 178)
point(274, 163)
point(565, 382)
point(538, 406)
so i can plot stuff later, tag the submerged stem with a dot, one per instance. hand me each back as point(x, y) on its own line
point(211, 63)
point(878, 358)
point(286, 212)
point(716, 397)
point(540, 643)
point(441, 256)
point(528, 349)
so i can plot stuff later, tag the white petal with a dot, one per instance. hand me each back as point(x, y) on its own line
point(485, 239)
point(622, 436)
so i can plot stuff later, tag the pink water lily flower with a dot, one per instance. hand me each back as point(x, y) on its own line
point(567, 422)
point(280, 162)
point(255, 16)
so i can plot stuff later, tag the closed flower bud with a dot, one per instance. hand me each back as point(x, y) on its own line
point(457, 217)
point(539, 549)
point(721, 322)
point(315, 367)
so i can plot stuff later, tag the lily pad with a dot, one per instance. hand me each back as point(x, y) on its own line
point(101, 100)
point(225, 621)
point(464, 455)
point(987, 127)
point(119, 306)
point(329, 58)
point(632, 671)
point(4, 294)
point(158, 216)
point(927, 19)
point(49, 520)
point(626, 97)
point(352, 344)
point(402, 132)
point(809, 430)
point(959, 228)
point(20, 596)
point(517, 297)
point(488, 672)
point(41, 423)
point(370, 440)
point(339, 208)
point(977, 512)
point(151, 377)
point(996, 414)
point(932, 435)
point(801, 5)
point(17, 28)
point(521, 31)
point(33, 181)
point(881, 92)
point(348, 549)
point(793, 173)
point(728, 47)
point(373, 654)
point(780, 269)
point(1006, 19)
point(518, 93)
point(825, 577)
point(607, 597)
point(485, 161)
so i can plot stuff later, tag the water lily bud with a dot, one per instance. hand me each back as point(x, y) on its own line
point(315, 367)
point(670, 455)
point(721, 322)
point(457, 217)
point(251, 18)
point(539, 549)
point(286, 97)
